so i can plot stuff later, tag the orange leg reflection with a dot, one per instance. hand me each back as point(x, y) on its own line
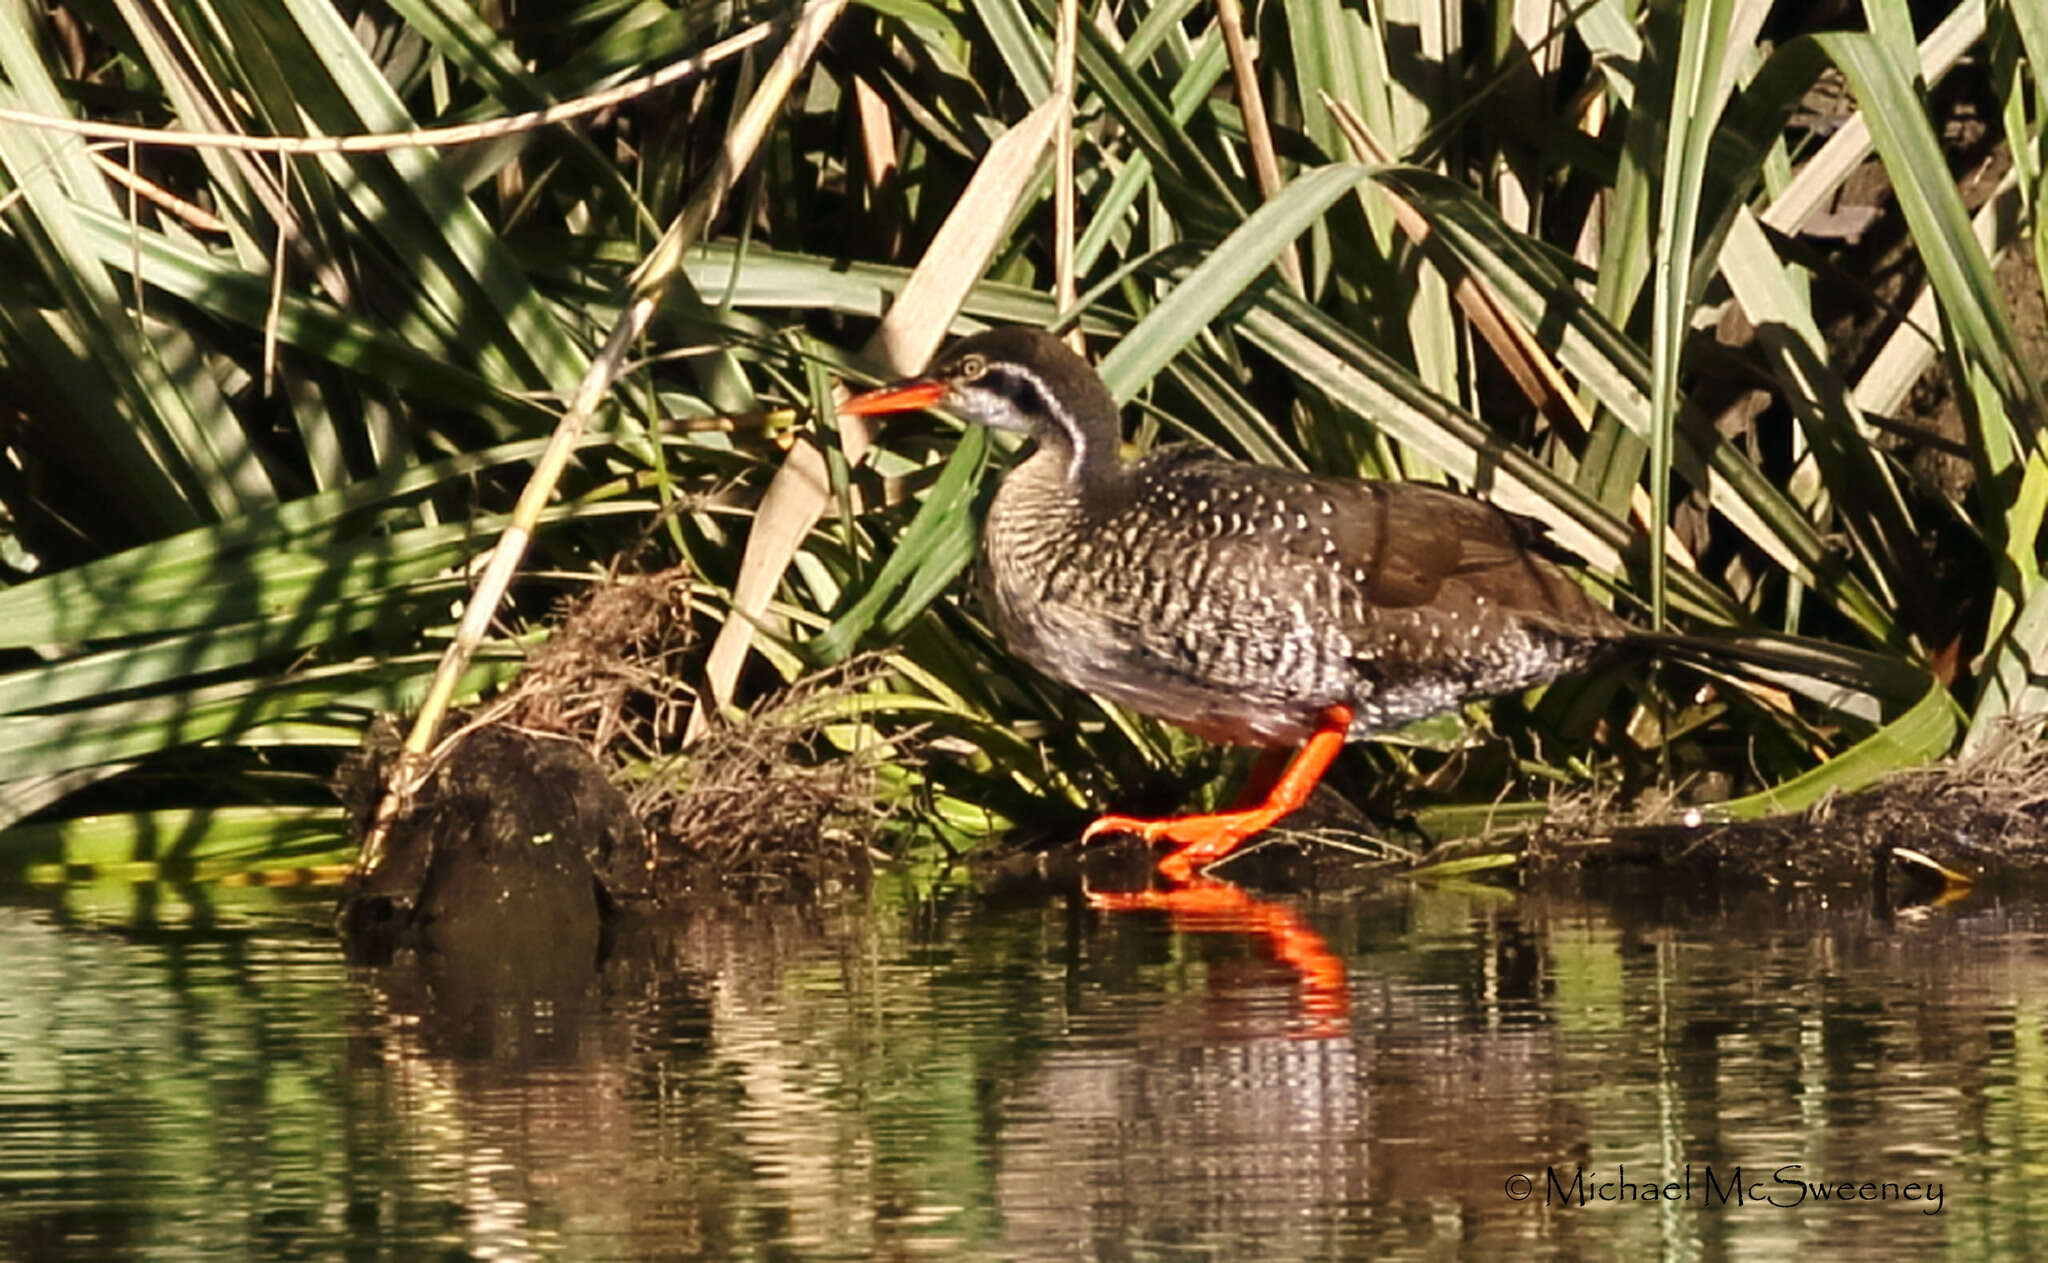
point(1206, 906)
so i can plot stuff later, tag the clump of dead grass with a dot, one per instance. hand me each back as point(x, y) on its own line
point(611, 675)
point(768, 805)
point(765, 806)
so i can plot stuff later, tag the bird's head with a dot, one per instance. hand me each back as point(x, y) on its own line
point(1008, 379)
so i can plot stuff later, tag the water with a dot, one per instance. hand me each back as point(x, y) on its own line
point(199, 1073)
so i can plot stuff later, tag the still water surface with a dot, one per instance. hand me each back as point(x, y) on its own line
point(199, 1073)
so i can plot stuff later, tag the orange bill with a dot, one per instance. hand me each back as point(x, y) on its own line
point(901, 397)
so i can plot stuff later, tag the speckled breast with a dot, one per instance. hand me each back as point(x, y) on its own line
point(1156, 614)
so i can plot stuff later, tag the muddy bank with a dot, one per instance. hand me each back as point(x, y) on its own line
point(1915, 836)
point(1981, 820)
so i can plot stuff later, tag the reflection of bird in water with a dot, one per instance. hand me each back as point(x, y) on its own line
point(1182, 1121)
point(1176, 1116)
point(1214, 907)
point(1245, 603)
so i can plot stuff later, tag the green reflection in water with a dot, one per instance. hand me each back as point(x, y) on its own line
point(196, 1071)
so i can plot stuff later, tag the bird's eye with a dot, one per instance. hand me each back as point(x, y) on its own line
point(972, 367)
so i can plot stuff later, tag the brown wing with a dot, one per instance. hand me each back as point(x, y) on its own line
point(1410, 539)
point(1394, 545)
point(1409, 545)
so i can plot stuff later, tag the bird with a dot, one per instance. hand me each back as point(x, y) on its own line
point(1246, 603)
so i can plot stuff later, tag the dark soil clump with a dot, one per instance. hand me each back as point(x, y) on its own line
point(511, 830)
point(567, 801)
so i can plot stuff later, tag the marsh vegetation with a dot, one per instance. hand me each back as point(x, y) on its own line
point(1741, 301)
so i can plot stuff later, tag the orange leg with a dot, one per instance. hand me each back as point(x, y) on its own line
point(1214, 907)
point(1206, 838)
point(1265, 774)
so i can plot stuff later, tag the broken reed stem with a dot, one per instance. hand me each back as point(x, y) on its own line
point(1063, 210)
point(649, 284)
point(1258, 129)
point(424, 138)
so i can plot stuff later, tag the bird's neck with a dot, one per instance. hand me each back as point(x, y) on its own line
point(1079, 436)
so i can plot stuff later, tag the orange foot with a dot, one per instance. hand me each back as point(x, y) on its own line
point(1203, 839)
point(1200, 840)
point(1214, 907)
